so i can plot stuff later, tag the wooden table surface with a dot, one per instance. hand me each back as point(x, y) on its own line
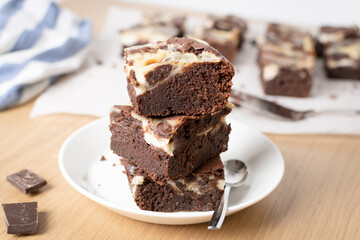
point(318, 198)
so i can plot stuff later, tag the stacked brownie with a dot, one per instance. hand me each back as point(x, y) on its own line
point(286, 59)
point(171, 135)
point(225, 33)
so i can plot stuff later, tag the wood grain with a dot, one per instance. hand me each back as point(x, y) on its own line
point(318, 197)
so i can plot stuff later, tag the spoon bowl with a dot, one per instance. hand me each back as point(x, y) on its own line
point(235, 173)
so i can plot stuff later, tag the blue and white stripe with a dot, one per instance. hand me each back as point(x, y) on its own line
point(38, 41)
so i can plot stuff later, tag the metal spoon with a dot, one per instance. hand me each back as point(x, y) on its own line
point(236, 174)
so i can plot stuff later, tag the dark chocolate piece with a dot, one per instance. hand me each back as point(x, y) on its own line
point(198, 191)
point(26, 181)
point(21, 218)
point(170, 147)
point(329, 35)
point(342, 60)
point(180, 76)
point(286, 59)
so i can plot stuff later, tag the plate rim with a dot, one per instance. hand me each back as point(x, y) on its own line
point(167, 215)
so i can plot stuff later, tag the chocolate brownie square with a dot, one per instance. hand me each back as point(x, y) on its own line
point(286, 58)
point(342, 60)
point(153, 28)
point(180, 76)
point(224, 33)
point(329, 35)
point(200, 190)
point(289, 37)
point(167, 148)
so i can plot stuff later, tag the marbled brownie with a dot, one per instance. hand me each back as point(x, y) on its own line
point(329, 35)
point(180, 76)
point(167, 148)
point(225, 33)
point(153, 28)
point(200, 190)
point(342, 60)
point(289, 38)
point(286, 58)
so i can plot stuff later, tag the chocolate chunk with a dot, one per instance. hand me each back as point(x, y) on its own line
point(21, 218)
point(163, 129)
point(159, 73)
point(26, 181)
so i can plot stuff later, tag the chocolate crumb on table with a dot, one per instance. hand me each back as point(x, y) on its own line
point(200, 190)
point(342, 60)
point(333, 96)
point(286, 58)
point(253, 42)
point(21, 218)
point(102, 158)
point(170, 147)
point(180, 76)
point(329, 35)
point(224, 33)
point(26, 181)
point(114, 164)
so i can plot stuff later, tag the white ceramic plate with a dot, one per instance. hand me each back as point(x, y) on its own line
point(106, 184)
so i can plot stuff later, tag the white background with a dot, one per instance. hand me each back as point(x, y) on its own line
point(298, 12)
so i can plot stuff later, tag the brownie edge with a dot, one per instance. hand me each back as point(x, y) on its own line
point(167, 148)
point(179, 76)
point(198, 191)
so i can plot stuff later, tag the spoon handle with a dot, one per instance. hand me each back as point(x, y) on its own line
point(220, 211)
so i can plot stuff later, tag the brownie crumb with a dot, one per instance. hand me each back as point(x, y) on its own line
point(333, 96)
point(114, 164)
point(102, 158)
point(253, 42)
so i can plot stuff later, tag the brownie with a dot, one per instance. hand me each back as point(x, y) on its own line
point(289, 37)
point(167, 148)
point(328, 35)
point(180, 76)
point(200, 190)
point(153, 28)
point(286, 59)
point(342, 60)
point(225, 33)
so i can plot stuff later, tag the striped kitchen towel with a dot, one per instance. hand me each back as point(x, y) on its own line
point(38, 42)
